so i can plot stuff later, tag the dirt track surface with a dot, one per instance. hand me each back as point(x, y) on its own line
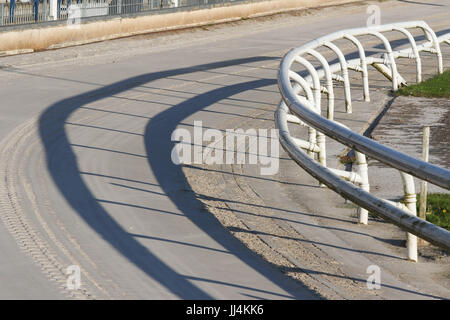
point(87, 177)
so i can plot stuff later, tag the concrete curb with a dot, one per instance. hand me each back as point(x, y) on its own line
point(55, 37)
point(14, 52)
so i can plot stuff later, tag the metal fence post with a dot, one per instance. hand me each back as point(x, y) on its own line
point(1, 14)
point(363, 171)
point(45, 13)
point(410, 199)
point(53, 9)
point(423, 184)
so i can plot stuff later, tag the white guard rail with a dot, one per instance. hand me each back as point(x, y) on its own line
point(301, 104)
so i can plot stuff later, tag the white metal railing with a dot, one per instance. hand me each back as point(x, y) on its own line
point(301, 104)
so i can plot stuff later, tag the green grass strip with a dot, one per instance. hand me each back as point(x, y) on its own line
point(438, 209)
point(436, 87)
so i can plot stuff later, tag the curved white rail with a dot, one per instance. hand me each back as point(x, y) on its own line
point(301, 104)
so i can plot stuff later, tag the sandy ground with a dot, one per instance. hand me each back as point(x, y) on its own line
point(88, 178)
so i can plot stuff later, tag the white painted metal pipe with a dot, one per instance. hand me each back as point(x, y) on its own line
point(390, 56)
point(306, 111)
point(303, 84)
point(330, 90)
point(410, 223)
point(362, 169)
point(344, 68)
point(398, 160)
point(410, 202)
point(415, 51)
point(363, 64)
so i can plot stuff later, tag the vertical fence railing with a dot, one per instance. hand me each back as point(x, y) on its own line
point(17, 13)
point(1, 14)
point(22, 13)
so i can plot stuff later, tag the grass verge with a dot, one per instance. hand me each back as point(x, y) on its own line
point(438, 209)
point(436, 87)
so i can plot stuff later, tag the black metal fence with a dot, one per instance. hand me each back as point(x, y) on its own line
point(17, 12)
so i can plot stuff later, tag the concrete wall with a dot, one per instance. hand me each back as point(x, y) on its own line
point(48, 37)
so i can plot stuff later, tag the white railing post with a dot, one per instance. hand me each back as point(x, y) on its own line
point(390, 58)
point(320, 138)
point(53, 14)
point(363, 65)
point(344, 68)
point(423, 184)
point(362, 170)
point(415, 52)
point(329, 79)
point(410, 200)
point(306, 88)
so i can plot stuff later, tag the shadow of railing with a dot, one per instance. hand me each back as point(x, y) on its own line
point(64, 170)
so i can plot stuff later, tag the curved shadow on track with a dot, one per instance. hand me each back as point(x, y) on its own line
point(171, 177)
point(63, 168)
point(173, 181)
